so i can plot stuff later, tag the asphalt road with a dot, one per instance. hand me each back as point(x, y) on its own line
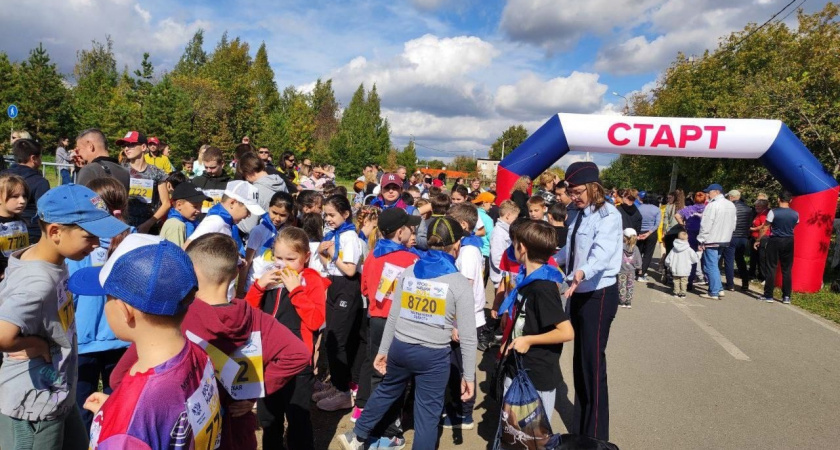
point(730, 374)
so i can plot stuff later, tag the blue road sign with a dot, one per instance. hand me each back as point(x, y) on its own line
point(12, 111)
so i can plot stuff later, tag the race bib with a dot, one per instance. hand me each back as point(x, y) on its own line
point(388, 281)
point(240, 373)
point(141, 188)
point(204, 411)
point(424, 301)
point(216, 197)
point(13, 237)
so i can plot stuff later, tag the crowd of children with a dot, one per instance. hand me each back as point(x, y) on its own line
point(326, 301)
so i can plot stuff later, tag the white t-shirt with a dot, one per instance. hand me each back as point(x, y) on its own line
point(471, 265)
point(258, 237)
point(314, 260)
point(350, 250)
point(211, 224)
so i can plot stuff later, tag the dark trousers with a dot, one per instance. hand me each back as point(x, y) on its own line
point(734, 256)
point(361, 353)
point(290, 403)
point(486, 270)
point(390, 425)
point(344, 320)
point(779, 252)
point(758, 258)
point(647, 247)
point(592, 314)
point(430, 369)
point(454, 406)
point(93, 367)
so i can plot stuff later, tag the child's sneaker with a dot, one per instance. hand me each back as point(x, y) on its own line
point(354, 389)
point(786, 300)
point(394, 443)
point(769, 299)
point(461, 423)
point(629, 306)
point(709, 296)
point(318, 396)
point(337, 401)
point(357, 412)
point(349, 441)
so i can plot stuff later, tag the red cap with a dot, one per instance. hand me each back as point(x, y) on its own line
point(132, 137)
point(154, 140)
point(437, 183)
point(391, 178)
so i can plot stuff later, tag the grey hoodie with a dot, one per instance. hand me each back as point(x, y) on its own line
point(267, 187)
point(680, 259)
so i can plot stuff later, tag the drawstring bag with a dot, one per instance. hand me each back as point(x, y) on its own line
point(523, 423)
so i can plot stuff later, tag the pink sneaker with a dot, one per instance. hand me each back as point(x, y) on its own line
point(357, 412)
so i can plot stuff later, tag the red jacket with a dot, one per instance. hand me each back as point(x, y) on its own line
point(372, 274)
point(309, 300)
point(227, 328)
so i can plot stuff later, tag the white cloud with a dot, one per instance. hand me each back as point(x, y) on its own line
point(430, 74)
point(531, 97)
point(146, 15)
point(68, 26)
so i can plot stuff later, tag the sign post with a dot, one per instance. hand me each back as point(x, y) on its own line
point(12, 112)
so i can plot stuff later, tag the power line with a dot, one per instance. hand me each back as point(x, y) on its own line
point(795, 8)
point(440, 150)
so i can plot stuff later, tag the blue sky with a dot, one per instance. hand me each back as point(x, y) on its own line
point(452, 74)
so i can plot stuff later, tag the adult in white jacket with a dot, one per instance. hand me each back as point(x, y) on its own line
point(716, 229)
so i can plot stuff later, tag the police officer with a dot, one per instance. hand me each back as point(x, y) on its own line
point(593, 259)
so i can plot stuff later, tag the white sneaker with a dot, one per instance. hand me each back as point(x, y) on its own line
point(318, 396)
point(722, 294)
point(337, 401)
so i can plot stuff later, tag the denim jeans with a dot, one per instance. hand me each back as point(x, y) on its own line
point(430, 369)
point(93, 367)
point(734, 256)
point(711, 258)
point(66, 178)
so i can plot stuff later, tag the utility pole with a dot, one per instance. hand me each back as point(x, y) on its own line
point(674, 173)
point(503, 148)
point(626, 103)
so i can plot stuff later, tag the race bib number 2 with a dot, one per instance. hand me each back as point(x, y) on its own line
point(241, 372)
point(424, 301)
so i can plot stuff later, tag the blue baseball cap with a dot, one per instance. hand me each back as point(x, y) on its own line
point(147, 272)
point(642, 194)
point(713, 187)
point(74, 204)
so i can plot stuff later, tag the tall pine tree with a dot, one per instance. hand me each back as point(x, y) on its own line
point(168, 114)
point(96, 78)
point(42, 104)
point(194, 57)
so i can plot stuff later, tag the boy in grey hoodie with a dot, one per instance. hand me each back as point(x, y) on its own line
point(253, 171)
point(679, 261)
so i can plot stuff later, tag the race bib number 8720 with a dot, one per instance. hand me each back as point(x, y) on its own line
point(424, 301)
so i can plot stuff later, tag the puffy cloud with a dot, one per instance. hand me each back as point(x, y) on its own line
point(68, 26)
point(531, 97)
point(431, 74)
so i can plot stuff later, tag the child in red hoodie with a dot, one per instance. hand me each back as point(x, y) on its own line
point(296, 296)
point(253, 355)
point(382, 268)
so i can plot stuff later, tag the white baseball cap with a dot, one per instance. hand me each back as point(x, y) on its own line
point(629, 232)
point(245, 193)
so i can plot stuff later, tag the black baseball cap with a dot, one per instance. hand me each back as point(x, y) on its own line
point(189, 192)
point(582, 172)
point(393, 219)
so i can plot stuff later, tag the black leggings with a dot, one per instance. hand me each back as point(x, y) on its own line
point(290, 403)
point(344, 321)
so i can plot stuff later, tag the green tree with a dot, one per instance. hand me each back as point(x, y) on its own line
point(96, 78)
point(229, 67)
point(144, 79)
point(168, 114)
point(432, 164)
point(194, 57)
point(210, 107)
point(123, 113)
point(9, 94)
point(408, 157)
point(263, 84)
point(325, 108)
point(464, 164)
point(42, 106)
point(378, 128)
point(509, 140)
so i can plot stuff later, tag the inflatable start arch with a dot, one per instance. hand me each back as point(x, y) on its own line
point(770, 141)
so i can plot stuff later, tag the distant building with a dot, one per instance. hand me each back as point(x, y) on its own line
point(487, 168)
